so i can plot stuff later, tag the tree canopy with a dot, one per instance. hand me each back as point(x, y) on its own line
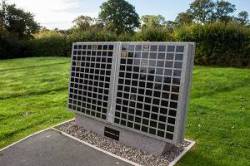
point(202, 10)
point(152, 21)
point(17, 21)
point(83, 22)
point(243, 17)
point(223, 11)
point(119, 16)
point(184, 18)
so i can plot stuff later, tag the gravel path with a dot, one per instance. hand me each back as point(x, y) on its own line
point(122, 150)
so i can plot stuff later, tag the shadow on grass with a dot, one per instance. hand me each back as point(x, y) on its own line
point(34, 93)
point(34, 66)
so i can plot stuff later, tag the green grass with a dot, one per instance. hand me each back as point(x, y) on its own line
point(219, 117)
point(33, 96)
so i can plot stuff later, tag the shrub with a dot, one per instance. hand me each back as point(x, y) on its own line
point(51, 43)
point(47, 43)
point(154, 34)
point(218, 43)
point(126, 37)
point(82, 36)
point(10, 46)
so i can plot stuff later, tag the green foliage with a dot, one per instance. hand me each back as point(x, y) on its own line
point(184, 18)
point(223, 11)
point(92, 36)
point(17, 21)
point(154, 34)
point(126, 37)
point(119, 16)
point(54, 43)
point(152, 21)
point(207, 11)
point(45, 33)
point(202, 10)
point(10, 46)
point(16, 25)
point(218, 43)
point(83, 22)
point(242, 17)
point(47, 43)
point(221, 38)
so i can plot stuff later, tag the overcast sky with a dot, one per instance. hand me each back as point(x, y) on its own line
point(61, 13)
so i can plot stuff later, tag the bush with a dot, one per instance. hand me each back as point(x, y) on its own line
point(49, 43)
point(218, 43)
point(52, 46)
point(83, 36)
point(10, 46)
point(154, 34)
point(126, 37)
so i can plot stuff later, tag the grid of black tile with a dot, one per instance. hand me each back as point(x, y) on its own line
point(90, 79)
point(148, 88)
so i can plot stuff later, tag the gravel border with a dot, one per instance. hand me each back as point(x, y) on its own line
point(124, 151)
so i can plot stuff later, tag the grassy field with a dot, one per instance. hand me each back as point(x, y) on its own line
point(33, 96)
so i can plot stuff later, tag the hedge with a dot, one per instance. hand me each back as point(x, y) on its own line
point(216, 44)
point(10, 46)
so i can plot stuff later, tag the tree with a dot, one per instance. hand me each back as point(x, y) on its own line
point(2, 14)
point(223, 9)
point(119, 16)
point(202, 10)
point(98, 25)
point(87, 23)
point(152, 21)
point(242, 17)
point(83, 22)
point(171, 25)
point(17, 21)
point(184, 18)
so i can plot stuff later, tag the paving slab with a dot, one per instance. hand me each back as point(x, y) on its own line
point(50, 148)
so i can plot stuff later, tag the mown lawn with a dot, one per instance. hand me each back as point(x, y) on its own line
point(33, 96)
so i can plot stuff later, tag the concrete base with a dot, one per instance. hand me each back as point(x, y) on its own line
point(139, 141)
